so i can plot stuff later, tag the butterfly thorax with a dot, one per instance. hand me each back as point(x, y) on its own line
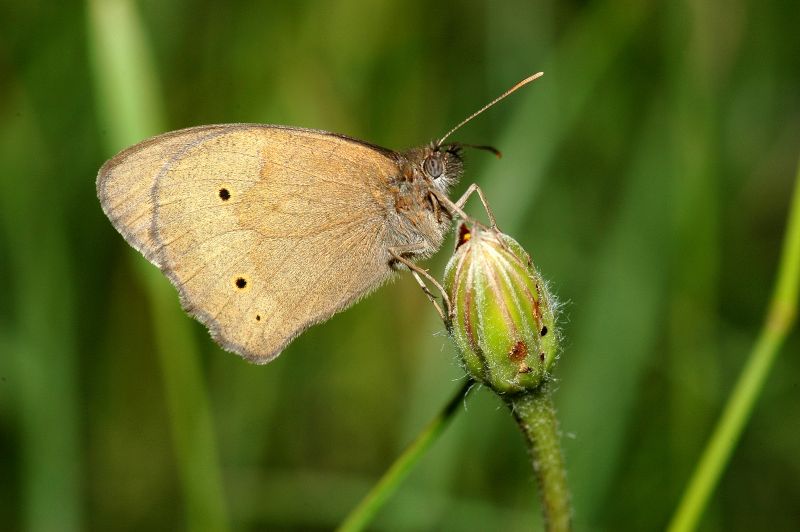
point(424, 173)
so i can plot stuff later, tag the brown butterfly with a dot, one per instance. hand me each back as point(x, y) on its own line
point(267, 230)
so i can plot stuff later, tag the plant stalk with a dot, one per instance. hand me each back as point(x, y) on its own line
point(363, 514)
point(536, 417)
point(779, 320)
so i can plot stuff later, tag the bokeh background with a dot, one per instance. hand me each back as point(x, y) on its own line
point(648, 173)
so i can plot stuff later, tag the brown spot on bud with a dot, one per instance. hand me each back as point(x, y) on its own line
point(518, 352)
point(541, 356)
point(524, 368)
point(537, 309)
point(463, 235)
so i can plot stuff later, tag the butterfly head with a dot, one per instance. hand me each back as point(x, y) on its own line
point(439, 166)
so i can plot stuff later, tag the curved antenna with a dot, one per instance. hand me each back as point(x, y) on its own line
point(488, 105)
point(483, 147)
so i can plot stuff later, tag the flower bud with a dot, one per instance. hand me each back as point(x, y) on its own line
point(502, 317)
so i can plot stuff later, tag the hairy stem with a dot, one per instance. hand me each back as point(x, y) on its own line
point(536, 418)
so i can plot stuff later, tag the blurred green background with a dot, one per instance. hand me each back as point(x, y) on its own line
point(648, 173)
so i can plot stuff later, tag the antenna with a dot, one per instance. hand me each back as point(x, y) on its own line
point(488, 105)
point(483, 147)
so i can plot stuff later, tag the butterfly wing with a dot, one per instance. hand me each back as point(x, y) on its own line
point(264, 230)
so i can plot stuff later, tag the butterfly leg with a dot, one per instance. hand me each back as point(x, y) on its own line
point(419, 273)
point(451, 207)
point(430, 295)
point(457, 207)
point(474, 188)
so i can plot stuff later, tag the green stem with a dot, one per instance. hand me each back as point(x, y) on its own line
point(779, 320)
point(536, 417)
point(363, 514)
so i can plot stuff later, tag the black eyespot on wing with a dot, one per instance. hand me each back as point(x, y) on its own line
point(258, 317)
point(241, 282)
point(225, 194)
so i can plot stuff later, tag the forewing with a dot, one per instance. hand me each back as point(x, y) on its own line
point(264, 230)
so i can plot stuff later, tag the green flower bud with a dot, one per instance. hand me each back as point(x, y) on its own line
point(502, 317)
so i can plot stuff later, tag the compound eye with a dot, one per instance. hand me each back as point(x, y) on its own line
point(433, 166)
